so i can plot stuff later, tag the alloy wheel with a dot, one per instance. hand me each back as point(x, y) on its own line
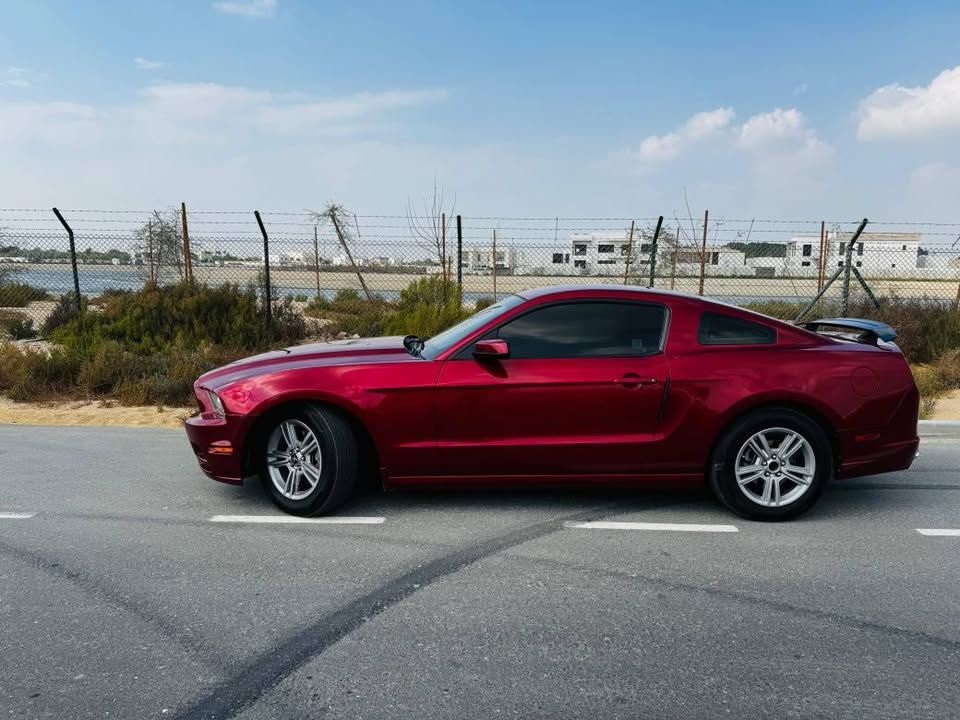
point(775, 467)
point(294, 460)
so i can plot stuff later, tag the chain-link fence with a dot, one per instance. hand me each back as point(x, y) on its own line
point(303, 255)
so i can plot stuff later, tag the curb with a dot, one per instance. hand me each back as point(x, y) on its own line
point(939, 428)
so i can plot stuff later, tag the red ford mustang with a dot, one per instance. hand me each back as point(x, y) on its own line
point(602, 384)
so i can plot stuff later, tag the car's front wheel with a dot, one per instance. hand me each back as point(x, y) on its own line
point(771, 465)
point(309, 460)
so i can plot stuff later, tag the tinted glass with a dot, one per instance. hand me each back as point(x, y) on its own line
point(716, 329)
point(586, 329)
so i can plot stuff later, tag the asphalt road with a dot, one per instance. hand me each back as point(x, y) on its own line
point(119, 597)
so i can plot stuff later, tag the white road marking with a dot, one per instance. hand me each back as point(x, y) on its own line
point(939, 532)
point(16, 515)
point(294, 520)
point(671, 527)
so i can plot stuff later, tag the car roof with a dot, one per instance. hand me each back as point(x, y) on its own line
point(549, 290)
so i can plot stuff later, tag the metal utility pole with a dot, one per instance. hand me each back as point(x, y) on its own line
point(626, 264)
point(703, 251)
point(493, 264)
point(187, 257)
point(460, 256)
point(316, 258)
point(822, 259)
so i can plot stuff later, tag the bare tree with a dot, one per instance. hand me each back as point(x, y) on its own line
point(158, 243)
point(338, 216)
point(430, 223)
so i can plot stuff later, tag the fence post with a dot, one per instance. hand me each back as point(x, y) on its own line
point(266, 270)
point(73, 258)
point(493, 264)
point(316, 258)
point(703, 250)
point(187, 258)
point(848, 259)
point(460, 257)
point(653, 250)
point(673, 259)
point(822, 259)
point(626, 264)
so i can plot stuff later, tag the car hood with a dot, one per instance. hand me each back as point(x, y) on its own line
point(338, 352)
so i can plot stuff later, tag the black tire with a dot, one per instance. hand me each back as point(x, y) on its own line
point(338, 469)
point(722, 478)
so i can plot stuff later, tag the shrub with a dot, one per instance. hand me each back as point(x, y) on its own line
point(482, 303)
point(300, 297)
point(64, 311)
point(351, 313)
point(426, 307)
point(30, 375)
point(15, 294)
point(925, 328)
point(948, 367)
point(18, 328)
point(157, 318)
point(930, 385)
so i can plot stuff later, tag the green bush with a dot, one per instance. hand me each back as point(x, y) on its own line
point(483, 303)
point(158, 318)
point(351, 313)
point(948, 367)
point(925, 328)
point(17, 327)
point(64, 311)
point(15, 294)
point(426, 307)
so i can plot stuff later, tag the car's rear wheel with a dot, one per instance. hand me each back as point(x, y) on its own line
point(309, 460)
point(771, 465)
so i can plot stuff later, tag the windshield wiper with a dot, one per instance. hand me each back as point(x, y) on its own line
point(413, 344)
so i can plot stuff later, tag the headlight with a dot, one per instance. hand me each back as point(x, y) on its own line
point(216, 402)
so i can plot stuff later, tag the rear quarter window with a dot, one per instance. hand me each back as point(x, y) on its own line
point(719, 329)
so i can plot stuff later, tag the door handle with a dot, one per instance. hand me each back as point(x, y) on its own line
point(634, 380)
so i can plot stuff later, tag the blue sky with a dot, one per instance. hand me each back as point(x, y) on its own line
point(808, 110)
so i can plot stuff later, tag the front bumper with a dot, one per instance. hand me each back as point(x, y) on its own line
point(214, 442)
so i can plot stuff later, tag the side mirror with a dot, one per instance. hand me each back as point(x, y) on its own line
point(491, 349)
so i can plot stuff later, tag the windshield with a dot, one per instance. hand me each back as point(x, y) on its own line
point(451, 336)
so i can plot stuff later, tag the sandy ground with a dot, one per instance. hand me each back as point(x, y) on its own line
point(81, 412)
point(947, 407)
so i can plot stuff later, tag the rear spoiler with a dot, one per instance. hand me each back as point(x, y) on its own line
point(869, 331)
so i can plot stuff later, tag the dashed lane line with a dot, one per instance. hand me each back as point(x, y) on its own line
point(939, 532)
point(295, 520)
point(16, 515)
point(668, 527)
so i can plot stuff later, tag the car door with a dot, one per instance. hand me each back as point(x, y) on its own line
point(580, 393)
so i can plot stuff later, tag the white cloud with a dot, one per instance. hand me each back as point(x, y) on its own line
point(289, 113)
point(247, 8)
point(47, 122)
point(145, 64)
point(656, 148)
point(777, 131)
point(896, 111)
point(15, 77)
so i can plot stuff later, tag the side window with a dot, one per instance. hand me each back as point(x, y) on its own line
point(717, 329)
point(586, 329)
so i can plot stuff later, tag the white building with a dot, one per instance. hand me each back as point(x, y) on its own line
point(477, 260)
point(876, 254)
point(607, 254)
